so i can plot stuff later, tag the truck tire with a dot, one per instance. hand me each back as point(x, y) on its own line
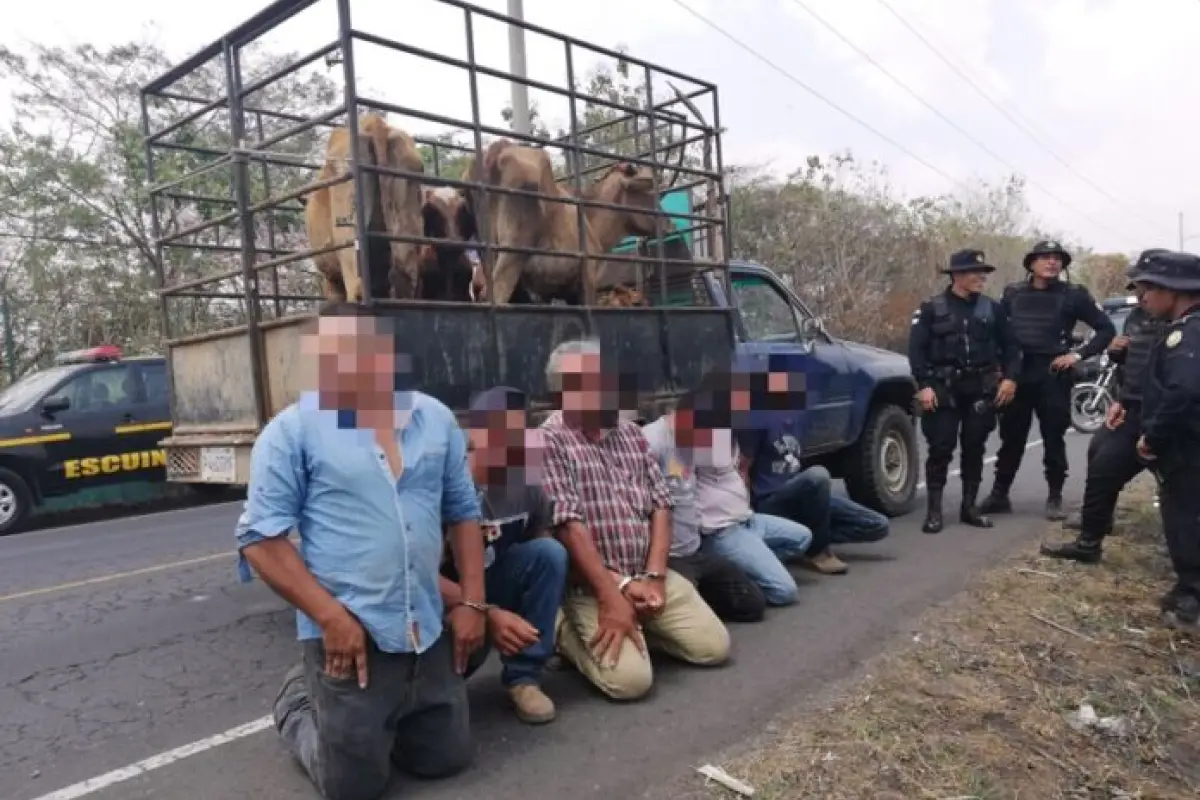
point(882, 467)
point(15, 501)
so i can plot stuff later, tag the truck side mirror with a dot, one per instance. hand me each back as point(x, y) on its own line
point(812, 327)
point(54, 405)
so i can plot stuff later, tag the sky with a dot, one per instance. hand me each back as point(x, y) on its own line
point(1086, 99)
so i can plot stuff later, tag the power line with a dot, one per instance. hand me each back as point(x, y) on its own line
point(1026, 129)
point(948, 120)
point(827, 101)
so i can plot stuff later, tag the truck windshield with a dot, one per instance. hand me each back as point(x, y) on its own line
point(27, 391)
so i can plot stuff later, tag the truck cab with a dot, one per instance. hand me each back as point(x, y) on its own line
point(858, 420)
point(92, 419)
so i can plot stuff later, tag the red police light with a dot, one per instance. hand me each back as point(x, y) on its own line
point(92, 355)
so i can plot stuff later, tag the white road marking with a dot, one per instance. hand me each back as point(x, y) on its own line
point(228, 555)
point(954, 473)
point(93, 785)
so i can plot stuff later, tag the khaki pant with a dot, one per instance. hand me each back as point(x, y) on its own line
point(686, 629)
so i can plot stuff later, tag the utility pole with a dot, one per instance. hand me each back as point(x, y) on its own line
point(516, 65)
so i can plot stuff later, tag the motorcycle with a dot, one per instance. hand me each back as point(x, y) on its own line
point(1090, 400)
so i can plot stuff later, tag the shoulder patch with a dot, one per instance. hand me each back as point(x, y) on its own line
point(1174, 338)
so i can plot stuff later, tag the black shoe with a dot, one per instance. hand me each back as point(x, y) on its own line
point(996, 503)
point(1054, 509)
point(1186, 613)
point(1081, 550)
point(970, 514)
point(933, 516)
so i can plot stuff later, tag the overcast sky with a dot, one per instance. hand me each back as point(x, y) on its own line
point(1101, 84)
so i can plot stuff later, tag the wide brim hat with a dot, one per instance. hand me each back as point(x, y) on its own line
point(1174, 283)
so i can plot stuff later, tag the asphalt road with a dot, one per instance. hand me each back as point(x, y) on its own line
point(123, 643)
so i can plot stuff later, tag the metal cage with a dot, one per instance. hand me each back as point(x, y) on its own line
point(243, 146)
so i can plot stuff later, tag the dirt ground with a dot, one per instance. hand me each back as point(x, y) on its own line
point(984, 701)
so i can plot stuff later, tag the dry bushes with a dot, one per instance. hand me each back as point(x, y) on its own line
point(981, 705)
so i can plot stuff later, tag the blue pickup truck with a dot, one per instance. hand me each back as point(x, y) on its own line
point(859, 419)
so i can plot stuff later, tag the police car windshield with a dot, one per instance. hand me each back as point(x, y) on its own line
point(30, 389)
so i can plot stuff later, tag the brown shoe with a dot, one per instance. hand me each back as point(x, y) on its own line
point(532, 704)
point(826, 563)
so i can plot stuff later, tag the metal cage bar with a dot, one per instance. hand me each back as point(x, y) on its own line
point(659, 116)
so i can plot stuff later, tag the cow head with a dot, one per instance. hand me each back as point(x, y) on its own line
point(631, 186)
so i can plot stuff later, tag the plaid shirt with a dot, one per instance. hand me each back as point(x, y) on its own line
point(612, 486)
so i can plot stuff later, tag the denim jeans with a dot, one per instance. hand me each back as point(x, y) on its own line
point(528, 580)
point(760, 546)
point(851, 523)
point(805, 499)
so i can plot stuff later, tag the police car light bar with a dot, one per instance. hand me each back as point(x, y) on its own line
point(92, 355)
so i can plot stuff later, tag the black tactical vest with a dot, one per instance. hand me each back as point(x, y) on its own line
point(1143, 331)
point(968, 344)
point(1037, 318)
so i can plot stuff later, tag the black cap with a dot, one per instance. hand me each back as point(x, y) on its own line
point(1047, 247)
point(1175, 271)
point(968, 261)
point(496, 399)
point(1131, 272)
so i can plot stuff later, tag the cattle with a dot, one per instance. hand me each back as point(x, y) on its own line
point(527, 222)
point(392, 205)
point(447, 271)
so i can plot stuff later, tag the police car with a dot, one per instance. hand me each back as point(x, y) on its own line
point(93, 419)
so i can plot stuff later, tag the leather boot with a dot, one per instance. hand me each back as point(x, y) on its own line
point(1084, 551)
point(970, 513)
point(1054, 507)
point(997, 502)
point(933, 516)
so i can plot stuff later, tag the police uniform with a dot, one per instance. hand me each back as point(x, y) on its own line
point(960, 347)
point(1171, 429)
point(1042, 321)
point(1112, 453)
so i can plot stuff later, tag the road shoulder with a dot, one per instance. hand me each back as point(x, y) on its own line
point(1042, 679)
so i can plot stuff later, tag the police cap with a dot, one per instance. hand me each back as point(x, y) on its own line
point(1047, 247)
point(1131, 272)
point(1171, 270)
point(968, 261)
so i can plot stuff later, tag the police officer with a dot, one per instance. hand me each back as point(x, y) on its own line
point(1112, 453)
point(1043, 311)
point(1170, 440)
point(963, 357)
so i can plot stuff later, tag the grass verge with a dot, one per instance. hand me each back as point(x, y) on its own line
point(981, 703)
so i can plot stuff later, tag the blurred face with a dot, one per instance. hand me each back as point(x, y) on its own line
point(1047, 267)
point(688, 434)
point(970, 282)
point(356, 363)
point(501, 445)
point(582, 384)
point(1157, 301)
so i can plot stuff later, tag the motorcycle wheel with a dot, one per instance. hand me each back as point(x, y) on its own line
point(1087, 395)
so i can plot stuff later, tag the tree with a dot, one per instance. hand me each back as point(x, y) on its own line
point(75, 229)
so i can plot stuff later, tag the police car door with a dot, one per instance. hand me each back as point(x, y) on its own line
point(771, 325)
point(97, 401)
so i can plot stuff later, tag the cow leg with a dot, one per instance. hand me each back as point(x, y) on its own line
point(332, 288)
point(506, 276)
point(350, 278)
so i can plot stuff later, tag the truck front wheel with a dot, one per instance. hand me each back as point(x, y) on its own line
point(881, 468)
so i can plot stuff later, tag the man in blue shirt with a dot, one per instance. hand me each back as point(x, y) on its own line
point(367, 475)
point(526, 565)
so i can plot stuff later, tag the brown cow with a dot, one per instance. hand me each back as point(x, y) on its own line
point(393, 205)
point(516, 221)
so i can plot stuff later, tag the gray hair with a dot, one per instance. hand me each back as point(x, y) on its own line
point(572, 347)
